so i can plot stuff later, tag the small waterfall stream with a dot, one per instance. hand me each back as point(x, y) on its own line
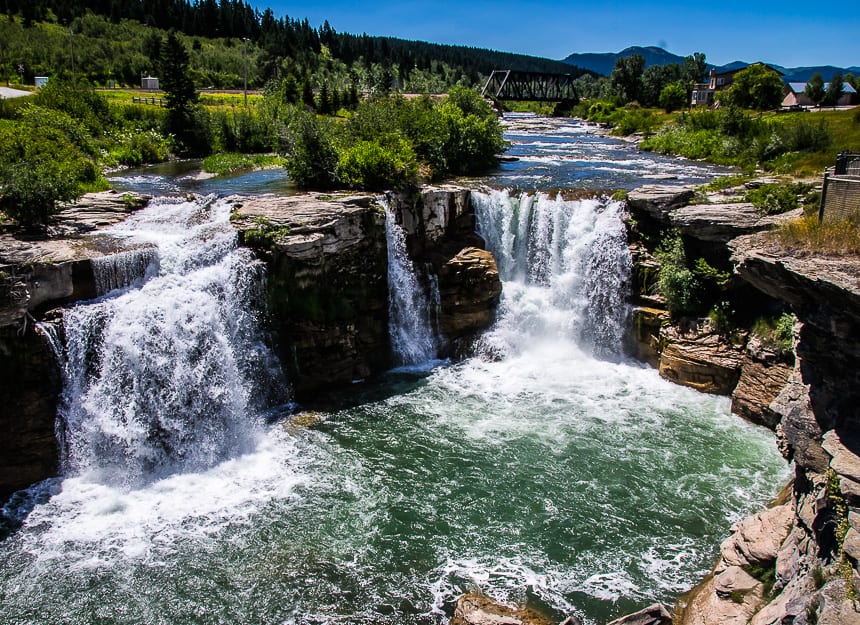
point(410, 312)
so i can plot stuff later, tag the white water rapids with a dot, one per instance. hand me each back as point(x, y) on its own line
point(550, 471)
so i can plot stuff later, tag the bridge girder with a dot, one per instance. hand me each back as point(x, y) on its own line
point(530, 86)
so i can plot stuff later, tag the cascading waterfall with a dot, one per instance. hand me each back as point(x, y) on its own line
point(119, 271)
point(167, 375)
point(410, 312)
point(565, 266)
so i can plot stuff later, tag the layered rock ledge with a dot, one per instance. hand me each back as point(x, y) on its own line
point(796, 562)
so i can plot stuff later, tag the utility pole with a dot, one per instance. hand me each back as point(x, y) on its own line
point(72, 52)
point(245, 63)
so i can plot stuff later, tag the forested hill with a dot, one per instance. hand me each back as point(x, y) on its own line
point(272, 39)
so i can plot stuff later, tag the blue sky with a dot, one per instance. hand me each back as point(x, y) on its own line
point(788, 33)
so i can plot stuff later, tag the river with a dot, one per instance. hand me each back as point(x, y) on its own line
point(550, 470)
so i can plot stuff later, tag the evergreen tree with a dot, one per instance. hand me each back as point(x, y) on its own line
point(186, 120)
point(307, 94)
point(175, 77)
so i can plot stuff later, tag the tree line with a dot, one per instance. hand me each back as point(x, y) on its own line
point(280, 46)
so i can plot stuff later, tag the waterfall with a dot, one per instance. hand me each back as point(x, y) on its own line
point(170, 374)
point(410, 312)
point(565, 268)
point(125, 269)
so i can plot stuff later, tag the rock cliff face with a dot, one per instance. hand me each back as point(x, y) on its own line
point(327, 279)
point(796, 562)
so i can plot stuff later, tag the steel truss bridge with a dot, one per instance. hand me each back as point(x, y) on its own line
point(508, 84)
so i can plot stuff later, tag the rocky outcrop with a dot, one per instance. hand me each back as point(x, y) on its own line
point(29, 387)
point(327, 279)
point(473, 609)
point(326, 283)
point(720, 223)
point(699, 357)
point(807, 560)
point(469, 289)
point(824, 293)
point(764, 374)
point(657, 201)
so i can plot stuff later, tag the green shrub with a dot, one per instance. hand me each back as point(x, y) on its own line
point(776, 333)
point(312, 155)
point(371, 166)
point(773, 199)
point(31, 190)
point(137, 147)
point(673, 97)
point(675, 281)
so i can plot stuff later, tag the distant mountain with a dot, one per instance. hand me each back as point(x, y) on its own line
point(602, 63)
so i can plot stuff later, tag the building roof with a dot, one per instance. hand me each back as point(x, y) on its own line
point(6, 92)
point(800, 87)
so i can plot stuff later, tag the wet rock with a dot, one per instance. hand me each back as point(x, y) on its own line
point(655, 614)
point(475, 609)
point(645, 333)
point(469, 290)
point(699, 358)
point(29, 391)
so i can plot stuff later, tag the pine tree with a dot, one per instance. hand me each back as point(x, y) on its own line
point(175, 76)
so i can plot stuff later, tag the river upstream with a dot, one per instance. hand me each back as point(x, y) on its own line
point(551, 470)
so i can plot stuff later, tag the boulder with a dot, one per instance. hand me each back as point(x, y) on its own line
point(734, 580)
point(474, 609)
point(699, 358)
point(756, 540)
point(469, 291)
point(655, 614)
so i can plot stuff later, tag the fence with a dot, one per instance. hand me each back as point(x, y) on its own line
point(155, 101)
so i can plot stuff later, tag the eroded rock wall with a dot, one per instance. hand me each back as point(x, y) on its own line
point(796, 562)
point(327, 279)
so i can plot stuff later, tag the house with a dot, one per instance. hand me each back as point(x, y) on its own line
point(795, 96)
point(149, 82)
point(704, 93)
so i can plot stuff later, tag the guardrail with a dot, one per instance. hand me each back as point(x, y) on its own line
point(150, 100)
